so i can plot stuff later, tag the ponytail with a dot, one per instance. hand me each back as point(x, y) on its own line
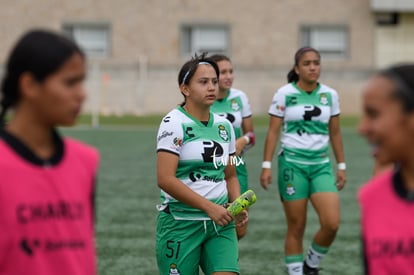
point(9, 97)
point(292, 76)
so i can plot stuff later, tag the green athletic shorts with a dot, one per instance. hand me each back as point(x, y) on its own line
point(299, 181)
point(182, 246)
point(242, 177)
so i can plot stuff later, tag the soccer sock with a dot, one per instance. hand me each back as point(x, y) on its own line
point(315, 255)
point(294, 264)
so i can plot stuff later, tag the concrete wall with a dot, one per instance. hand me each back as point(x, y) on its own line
point(395, 43)
point(264, 36)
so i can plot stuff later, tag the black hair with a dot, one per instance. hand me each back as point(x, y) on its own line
point(190, 67)
point(402, 76)
point(292, 76)
point(220, 57)
point(38, 52)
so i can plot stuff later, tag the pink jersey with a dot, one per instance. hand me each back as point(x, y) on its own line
point(387, 219)
point(46, 211)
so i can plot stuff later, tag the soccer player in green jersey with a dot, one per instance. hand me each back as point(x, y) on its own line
point(234, 105)
point(306, 113)
point(197, 176)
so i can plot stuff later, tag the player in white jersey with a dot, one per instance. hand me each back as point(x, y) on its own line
point(234, 105)
point(196, 173)
point(307, 112)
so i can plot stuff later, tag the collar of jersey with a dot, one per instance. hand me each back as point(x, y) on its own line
point(399, 186)
point(303, 91)
point(24, 152)
point(210, 119)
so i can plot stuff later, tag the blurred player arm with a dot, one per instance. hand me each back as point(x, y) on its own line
point(248, 139)
point(337, 146)
point(272, 136)
point(336, 139)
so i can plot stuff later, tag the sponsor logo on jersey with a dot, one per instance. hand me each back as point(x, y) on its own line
point(197, 176)
point(230, 117)
point(389, 248)
point(32, 246)
point(311, 111)
point(290, 190)
point(212, 149)
point(223, 132)
point(165, 134)
point(194, 176)
point(44, 212)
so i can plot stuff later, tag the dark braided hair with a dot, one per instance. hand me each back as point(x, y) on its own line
point(38, 52)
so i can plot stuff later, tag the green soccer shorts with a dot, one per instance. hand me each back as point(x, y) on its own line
point(242, 177)
point(299, 181)
point(184, 245)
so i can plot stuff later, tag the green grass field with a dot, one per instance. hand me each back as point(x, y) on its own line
point(127, 194)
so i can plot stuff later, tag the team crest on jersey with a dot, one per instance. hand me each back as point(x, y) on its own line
point(323, 99)
point(223, 133)
point(290, 190)
point(174, 270)
point(234, 105)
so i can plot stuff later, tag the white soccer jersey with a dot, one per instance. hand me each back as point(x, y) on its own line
point(235, 106)
point(203, 152)
point(305, 134)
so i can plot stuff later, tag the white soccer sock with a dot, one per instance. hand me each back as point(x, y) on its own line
point(314, 258)
point(295, 268)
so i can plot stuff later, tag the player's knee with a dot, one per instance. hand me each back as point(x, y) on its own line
point(331, 227)
point(296, 232)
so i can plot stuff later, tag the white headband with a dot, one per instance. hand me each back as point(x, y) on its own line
point(188, 72)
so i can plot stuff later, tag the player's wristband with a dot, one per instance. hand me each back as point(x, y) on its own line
point(342, 166)
point(267, 164)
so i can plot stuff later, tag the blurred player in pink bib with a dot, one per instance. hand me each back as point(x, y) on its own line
point(387, 200)
point(47, 181)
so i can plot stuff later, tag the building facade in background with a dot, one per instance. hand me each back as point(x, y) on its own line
point(136, 47)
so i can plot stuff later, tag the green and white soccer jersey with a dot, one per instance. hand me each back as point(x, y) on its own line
point(203, 152)
point(305, 134)
point(235, 106)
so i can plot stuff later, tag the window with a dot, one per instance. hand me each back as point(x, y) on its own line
point(211, 39)
point(330, 41)
point(92, 38)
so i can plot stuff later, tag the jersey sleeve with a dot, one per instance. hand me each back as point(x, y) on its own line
point(335, 109)
point(277, 107)
point(246, 110)
point(170, 136)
